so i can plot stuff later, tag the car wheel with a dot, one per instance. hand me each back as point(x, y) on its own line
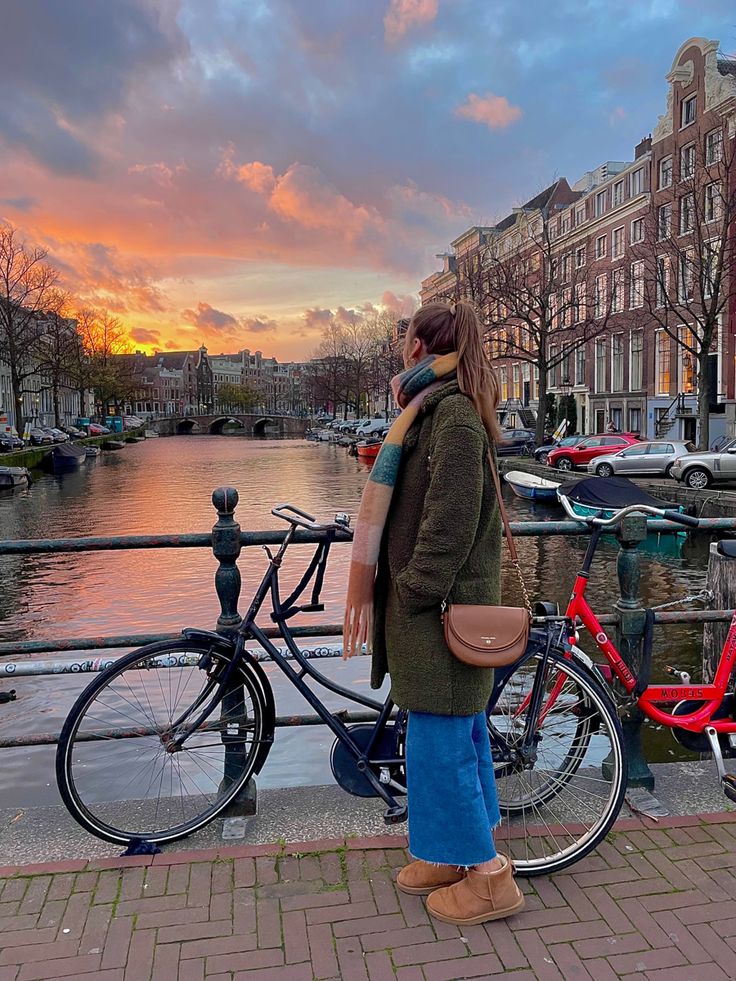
point(564, 463)
point(668, 470)
point(543, 457)
point(604, 470)
point(697, 478)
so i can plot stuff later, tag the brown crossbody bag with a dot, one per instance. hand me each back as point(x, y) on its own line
point(490, 636)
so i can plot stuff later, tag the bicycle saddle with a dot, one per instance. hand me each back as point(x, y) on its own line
point(727, 548)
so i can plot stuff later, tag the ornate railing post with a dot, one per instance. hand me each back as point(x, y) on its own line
point(226, 547)
point(629, 637)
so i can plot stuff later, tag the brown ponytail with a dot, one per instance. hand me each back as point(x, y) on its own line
point(445, 327)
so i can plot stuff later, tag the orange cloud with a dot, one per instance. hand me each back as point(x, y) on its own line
point(402, 15)
point(493, 111)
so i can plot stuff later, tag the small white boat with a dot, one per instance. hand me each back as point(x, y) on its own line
point(531, 487)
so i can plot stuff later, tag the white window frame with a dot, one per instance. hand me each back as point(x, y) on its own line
point(580, 364)
point(618, 287)
point(601, 295)
point(658, 335)
point(618, 253)
point(600, 345)
point(661, 285)
point(580, 301)
point(617, 195)
point(637, 181)
point(620, 354)
point(580, 218)
point(601, 253)
point(636, 287)
point(684, 353)
point(686, 229)
point(639, 376)
point(600, 204)
point(580, 251)
point(685, 264)
point(663, 165)
point(640, 223)
point(686, 175)
point(691, 100)
point(709, 144)
point(711, 205)
point(667, 206)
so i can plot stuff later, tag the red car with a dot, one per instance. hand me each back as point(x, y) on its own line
point(569, 457)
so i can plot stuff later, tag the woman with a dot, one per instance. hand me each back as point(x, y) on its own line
point(429, 531)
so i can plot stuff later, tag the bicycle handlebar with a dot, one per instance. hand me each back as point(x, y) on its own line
point(617, 518)
point(302, 519)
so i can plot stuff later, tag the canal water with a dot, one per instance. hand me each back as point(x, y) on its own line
point(164, 486)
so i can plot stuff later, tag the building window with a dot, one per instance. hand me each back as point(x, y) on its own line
point(663, 280)
point(687, 362)
point(579, 304)
point(600, 203)
point(566, 224)
point(687, 162)
point(617, 363)
point(662, 359)
point(635, 421)
point(636, 367)
point(580, 365)
point(664, 220)
point(600, 365)
point(600, 295)
point(636, 297)
point(665, 172)
point(637, 231)
point(617, 242)
point(580, 216)
point(618, 193)
point(565, 267)
point(711, 254)
point(565, 307)
point(687, 213)
point(713, 146)
point(712, 202)
point(580, 257)
point(600, 247)
point(685, 278)
point(617, 290)
point(637, 181)
point(554, 372)
point(688, 110)
point(503, 371)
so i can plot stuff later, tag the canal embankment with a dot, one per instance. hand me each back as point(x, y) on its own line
point(32, 457)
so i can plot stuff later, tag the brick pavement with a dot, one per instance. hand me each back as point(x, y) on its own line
point(655, 902)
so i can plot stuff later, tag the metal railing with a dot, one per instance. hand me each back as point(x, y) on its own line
point(227, 540)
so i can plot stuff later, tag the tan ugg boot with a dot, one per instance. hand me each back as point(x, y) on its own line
point(421, 878)
point(478, 897)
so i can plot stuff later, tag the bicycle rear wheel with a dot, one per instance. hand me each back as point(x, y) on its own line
point(119, 771)
point(559, 801)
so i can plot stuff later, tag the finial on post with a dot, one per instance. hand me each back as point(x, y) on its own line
point(226, 548)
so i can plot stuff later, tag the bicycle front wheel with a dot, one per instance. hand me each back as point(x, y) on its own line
point(560, 796)
point(119, 768)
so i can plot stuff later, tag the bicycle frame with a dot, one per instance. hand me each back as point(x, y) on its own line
point(711, 695)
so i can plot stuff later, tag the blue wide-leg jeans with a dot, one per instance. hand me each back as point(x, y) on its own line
point(451, 787)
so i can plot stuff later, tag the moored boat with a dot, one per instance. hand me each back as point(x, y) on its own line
point(92, 452)
point(368, 449)
point(150, 434)
point(531, 487)
point(65, 457)
point(12, 477)
point(114, 444)
point(602, 497)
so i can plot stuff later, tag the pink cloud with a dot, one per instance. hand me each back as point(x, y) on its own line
point(493, 111)
point(402, 15)
point(399, 306)
point(257, 176)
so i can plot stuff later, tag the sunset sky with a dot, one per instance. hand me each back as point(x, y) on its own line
point(240, 171)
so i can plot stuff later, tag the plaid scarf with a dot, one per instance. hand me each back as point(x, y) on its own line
point(410, 389)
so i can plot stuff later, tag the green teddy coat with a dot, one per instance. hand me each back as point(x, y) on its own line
point(442, 541)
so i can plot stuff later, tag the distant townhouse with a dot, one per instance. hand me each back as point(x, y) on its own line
point(613, 223)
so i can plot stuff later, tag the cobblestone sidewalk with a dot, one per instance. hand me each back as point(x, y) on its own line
point(655, 902)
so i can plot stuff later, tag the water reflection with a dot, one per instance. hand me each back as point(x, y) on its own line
point(165, 486)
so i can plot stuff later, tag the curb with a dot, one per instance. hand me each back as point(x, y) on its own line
point(230, 852)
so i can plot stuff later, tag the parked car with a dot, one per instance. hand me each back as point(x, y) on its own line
point(132, 422)
point(653, 459)
point(59, 435)
point(542, 452)
point(515, 442)
point(370, 427)
point(699, 470)
point(6, 443)
point(95, 429)
point(570, 457)
point(73, 432)
point(40, 437)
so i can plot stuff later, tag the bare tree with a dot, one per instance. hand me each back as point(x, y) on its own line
point(57, 351)
point(112, 368)
point(688, 256)
point(27, 284)
point(387, 360)
point(329, 375)
point(540, 299)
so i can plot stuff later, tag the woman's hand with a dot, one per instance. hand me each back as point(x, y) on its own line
point(357, 629)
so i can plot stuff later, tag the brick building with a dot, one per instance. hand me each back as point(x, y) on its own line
point(617, 224)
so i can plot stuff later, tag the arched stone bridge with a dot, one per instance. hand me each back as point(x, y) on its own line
point(247, 424)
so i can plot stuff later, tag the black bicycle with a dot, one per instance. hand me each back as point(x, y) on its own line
point(164, 739)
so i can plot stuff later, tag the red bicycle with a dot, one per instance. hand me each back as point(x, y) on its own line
point(559, 755)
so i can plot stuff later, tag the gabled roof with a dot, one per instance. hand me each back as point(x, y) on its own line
point(536, 203)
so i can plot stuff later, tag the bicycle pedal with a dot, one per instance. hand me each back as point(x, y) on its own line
point(729, 786)
point(397, 814)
